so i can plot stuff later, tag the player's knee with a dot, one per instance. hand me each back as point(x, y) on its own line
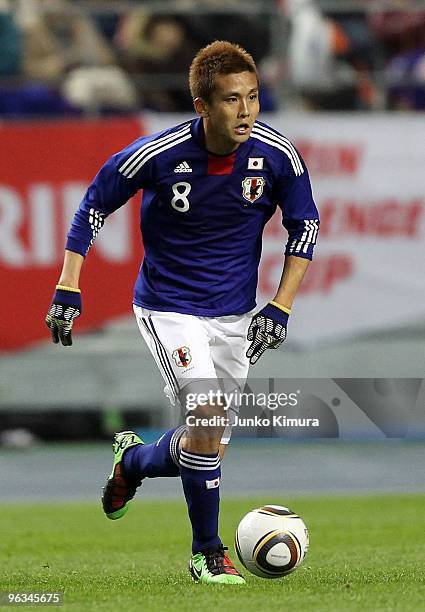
point(211, 411)
point(207, 421)
point(205, 426)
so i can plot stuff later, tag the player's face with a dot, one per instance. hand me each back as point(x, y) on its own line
point(231, 112)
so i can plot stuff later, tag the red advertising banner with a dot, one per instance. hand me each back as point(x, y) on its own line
point(44, 171)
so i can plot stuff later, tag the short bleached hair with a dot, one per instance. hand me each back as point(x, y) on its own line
point(219, 57)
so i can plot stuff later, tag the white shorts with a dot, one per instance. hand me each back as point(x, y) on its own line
point(189, 349)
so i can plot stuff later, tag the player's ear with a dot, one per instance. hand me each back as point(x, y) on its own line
point(201, 107)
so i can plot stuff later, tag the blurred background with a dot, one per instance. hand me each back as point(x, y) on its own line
point(345, 81)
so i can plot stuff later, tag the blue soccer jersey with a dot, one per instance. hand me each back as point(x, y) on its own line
point(202, 215)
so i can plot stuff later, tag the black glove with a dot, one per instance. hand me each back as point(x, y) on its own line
point(267, 330)
point(66, 306)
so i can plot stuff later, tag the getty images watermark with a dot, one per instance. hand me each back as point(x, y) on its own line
point(232, 402)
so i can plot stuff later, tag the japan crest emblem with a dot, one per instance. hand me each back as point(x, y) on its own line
point(182, 356)
point(252, 187)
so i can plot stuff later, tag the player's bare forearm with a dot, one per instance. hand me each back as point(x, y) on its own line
point(292, 276)
point(70, 275)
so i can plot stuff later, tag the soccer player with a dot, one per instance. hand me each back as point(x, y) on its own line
point(209, 187)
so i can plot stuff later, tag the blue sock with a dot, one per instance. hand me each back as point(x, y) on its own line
point(200, 476)
point(157, 459)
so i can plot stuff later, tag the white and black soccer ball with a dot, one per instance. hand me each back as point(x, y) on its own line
point(271, 541)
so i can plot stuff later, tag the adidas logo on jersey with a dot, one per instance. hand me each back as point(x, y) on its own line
point(183, 167)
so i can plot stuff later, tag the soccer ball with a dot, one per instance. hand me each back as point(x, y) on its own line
point(271, 541)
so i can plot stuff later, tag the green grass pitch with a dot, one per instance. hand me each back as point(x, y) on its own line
point(366, 553)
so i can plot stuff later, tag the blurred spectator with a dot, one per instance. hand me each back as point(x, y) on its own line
point(399, 30)
point(406, 79)
point(310, 52)
point(58, 38)
point(328, 62)
point(155, 46)
point(401, 34)
point(17, 96)
point(97, 89)
point(64, 52)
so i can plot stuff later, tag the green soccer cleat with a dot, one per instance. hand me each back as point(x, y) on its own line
point(119, 488)
point(214, 567)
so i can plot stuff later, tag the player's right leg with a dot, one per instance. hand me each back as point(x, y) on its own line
point(120, 487)
point(133, 462)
